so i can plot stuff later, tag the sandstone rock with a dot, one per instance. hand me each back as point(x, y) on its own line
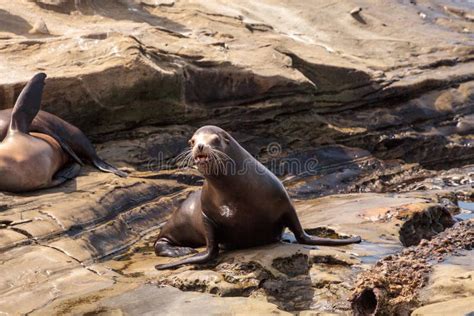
point(39, 28)
point(460, 306)
point(149, 299)
point(449, 281)
point(380, 110)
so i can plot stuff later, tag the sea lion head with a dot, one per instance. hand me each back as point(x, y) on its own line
point(209, 148)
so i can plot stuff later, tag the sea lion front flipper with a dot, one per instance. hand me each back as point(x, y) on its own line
point(165, 248)
point(69, 172)
point(27, 105)
point(106, 167)
point(212, 249)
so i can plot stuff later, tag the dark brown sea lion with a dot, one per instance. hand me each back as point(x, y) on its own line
point(71, 139)
point(242, 204)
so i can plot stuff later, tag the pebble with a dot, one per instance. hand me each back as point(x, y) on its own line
point(40, 28)
point(355, 11)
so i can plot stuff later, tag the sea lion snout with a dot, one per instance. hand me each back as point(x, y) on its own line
point(208, 148)
point(202, 154)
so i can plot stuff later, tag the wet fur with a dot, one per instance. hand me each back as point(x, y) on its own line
point(232, 210)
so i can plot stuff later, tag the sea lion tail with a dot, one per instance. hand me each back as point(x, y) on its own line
point(106, 167)
point(28, 104)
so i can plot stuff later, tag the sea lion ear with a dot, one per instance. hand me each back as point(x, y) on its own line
point(226, 138)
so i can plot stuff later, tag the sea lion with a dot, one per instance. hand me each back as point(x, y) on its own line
point(71, 139)
point(36, 159)
point(242, 204)
point(31, 161)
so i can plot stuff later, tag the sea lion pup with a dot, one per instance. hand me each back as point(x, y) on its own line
point(71, 139)
point(242, 204)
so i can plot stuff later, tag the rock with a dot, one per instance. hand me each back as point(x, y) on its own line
point(459, 12)
point(158, 3)
point(394, 285)
point(449, 281)
point(460, 306)
point(150, 299)
point(373, 127)
point(436, 217)
point(53, 274)
point(242, 273)
point(40, 28)
point(355, 11)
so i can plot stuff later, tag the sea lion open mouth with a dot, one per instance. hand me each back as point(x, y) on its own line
point(201, 159)
point(241, 204)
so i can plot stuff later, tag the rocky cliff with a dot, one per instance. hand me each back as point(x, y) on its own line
point(380, 94)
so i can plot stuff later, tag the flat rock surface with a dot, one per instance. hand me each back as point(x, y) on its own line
point(369, 127)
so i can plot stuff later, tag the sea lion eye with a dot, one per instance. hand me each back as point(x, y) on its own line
point(215, 140)
point(191, 142)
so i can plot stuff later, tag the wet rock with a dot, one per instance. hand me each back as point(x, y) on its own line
point(333, 257)
point(166, 300)
point(449, 282)
point(360, 106)
point(393, 285)
point(293, 266)
point(424, 223)
point(460, 306)
point(277, 271)
point(53, 274)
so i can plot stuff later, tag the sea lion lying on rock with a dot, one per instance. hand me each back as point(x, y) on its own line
point(242, 204)
point(36, 146)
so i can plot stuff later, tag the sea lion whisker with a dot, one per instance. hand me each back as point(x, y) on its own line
point(190, 160)
point(227, 162)
point(216, 164)
point(182, 155)
point(181, 162)
point(219, 159)
point(185, 160)
point(223, 154)
point(221, 164)
point(180, 158)
point(224, 158)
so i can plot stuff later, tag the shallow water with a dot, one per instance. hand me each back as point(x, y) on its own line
point(373, 252)
point(467, 210)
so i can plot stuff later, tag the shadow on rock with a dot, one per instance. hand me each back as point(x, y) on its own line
point(13, 24)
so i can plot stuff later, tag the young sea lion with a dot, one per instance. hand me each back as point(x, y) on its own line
point(242, 204)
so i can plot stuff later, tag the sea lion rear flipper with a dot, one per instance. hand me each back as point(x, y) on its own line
point(69, 172)
point(293, 223)
point(106, 167)
point(28, 104)
point(66, 148)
